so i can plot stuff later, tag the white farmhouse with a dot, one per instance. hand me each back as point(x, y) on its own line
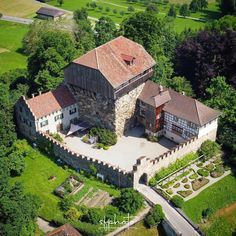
point(49, 112)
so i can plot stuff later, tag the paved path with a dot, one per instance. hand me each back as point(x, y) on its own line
point(179, 223)
point(17, 19)
point(44, 225)
point(135, 220)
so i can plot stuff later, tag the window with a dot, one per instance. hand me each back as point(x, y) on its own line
point(58, 117)
point(72, 111)
point(175, 118)
point(44, 123)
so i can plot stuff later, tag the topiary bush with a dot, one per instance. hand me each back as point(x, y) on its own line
point(105, 136)
point(203, 172)
point(177, 201)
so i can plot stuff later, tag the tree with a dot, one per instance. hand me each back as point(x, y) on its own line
point(222, 96)
point(194, 6)
point(115, 11)
point(202, 4)
point(129, 201)
point(131, 9)
point(180, 84)
point(66, 204)
point(209, 149)
point(154, 217)
point(228, 7)
point(60, 2)
point(107, 9)
point(184, 10)
point(152, 8)
point(105, 30)
point(93, 216)
point(93, 5)
point(80, 14)
point(206, 212)
point(16, 163)
point(122, 13)
point(172, 11)
point(54, 50)
point(177, 201)
point(202, 57)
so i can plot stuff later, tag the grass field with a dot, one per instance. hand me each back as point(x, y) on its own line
point(20, 8)
point(35, 180)
point(221, 198)
point(180, 24)
point(11, 35)
point(139, 229)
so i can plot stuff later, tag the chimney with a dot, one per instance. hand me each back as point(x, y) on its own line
point(183, 93)
point(161, 88)
point(32, 95)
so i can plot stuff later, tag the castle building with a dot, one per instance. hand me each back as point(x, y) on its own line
point(110, 87)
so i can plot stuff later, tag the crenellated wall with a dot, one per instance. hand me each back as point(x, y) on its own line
point(111, 173)
point(151, 166)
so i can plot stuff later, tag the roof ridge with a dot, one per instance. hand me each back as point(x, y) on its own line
point(198, 114)
point(96, 56)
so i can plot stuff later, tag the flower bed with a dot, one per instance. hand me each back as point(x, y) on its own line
point(198, 183)
point(185, 180)
point(185, 193)
point(187, 186)
point(193, 176)
point(209, 167)
point(176, 185)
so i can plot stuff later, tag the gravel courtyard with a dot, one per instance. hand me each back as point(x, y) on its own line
point(125, 152)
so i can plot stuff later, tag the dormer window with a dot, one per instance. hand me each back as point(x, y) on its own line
point(129, 60)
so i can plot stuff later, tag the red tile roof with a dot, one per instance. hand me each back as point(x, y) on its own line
point(64, 230)
point(178, 105)
point(110, 61)
point(52, 101)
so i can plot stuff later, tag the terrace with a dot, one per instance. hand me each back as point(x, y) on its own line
point(126, 151)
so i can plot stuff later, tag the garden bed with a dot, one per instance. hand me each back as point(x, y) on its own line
point(197, 184)
point(185, 193)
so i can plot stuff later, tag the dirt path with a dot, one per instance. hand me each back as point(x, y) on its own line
point(44, 225)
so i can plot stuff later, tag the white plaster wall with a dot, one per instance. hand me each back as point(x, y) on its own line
point(52, 124)
point(204, 130)
point(174, 137)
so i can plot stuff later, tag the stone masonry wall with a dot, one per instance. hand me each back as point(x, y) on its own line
point(95, 109)
point(112, 174)
point(151, 166)
point(125, 110)
point(116, 115)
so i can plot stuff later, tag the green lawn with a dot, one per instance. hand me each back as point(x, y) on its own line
point(11, 35)
point(35, 180)
point(212, 12)
point(216, 197)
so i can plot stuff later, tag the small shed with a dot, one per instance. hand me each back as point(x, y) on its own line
point(50, 13)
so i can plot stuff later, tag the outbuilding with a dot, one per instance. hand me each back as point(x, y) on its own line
point(50, 13)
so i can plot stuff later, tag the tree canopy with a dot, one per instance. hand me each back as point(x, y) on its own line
point(228, 7)
point(54, 50)
point(105, 30)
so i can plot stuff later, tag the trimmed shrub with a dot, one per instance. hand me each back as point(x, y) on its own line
point(185, 180)
point(105, 136)
point(176, 185)
point(203, 172)
point(187, 186)
point(200, 164)
point(169, 191)
point(57, 137)
point(153, 182)
point(193, 176)
point(177, 201)
point(185, 193)
point(209, 167)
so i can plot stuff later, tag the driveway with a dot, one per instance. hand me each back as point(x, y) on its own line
point(127, 150)
point(17, 19)
point(178, 222)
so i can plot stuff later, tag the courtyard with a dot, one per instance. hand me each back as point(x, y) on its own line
point(126, 151)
